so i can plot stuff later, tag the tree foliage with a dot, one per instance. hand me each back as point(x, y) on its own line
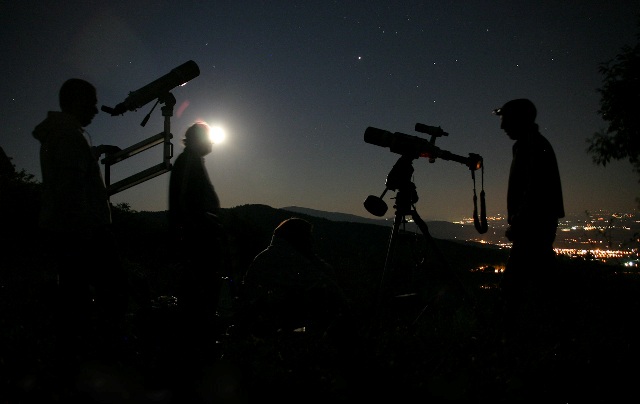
point(19, 204)
point(620, 107)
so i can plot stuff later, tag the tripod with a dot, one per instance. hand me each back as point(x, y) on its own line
point(399, 179)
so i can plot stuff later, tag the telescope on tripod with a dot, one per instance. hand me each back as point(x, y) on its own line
point(160, 91)
point(399, 179)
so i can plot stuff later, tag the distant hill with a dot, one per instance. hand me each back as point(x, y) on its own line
point(357, 247)
point(347, 241)
point(438, 228)
point(338, 217)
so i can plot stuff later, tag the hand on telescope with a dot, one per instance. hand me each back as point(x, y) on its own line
point(105, 149)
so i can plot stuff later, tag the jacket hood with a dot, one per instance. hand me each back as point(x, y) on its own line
point(54, 125)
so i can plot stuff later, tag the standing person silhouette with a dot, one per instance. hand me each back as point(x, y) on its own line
point(534, 205)
point(194, 221)
point(76, 217)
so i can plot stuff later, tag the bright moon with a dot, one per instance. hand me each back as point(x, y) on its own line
point(216, 134)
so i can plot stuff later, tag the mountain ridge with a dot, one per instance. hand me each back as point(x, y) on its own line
point(337, 216)
point(437, 228)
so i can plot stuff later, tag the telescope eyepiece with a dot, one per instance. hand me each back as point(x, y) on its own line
point(435, 131)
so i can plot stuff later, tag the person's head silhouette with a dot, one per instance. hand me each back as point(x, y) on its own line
point(78, 97)
point(197, 139)
point(298, 232)
point(517, 117)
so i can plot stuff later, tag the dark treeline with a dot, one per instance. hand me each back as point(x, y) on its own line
point(434, 335)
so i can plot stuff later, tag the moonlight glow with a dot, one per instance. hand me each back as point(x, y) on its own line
point(216, 134)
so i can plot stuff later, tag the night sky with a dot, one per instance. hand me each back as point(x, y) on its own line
point(295, 84)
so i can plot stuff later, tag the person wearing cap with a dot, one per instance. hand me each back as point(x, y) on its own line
point(193, 201)
point(195, 225)
point(534, 206)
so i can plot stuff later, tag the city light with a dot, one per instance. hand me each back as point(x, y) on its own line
point(598, 236)
point(601, 255)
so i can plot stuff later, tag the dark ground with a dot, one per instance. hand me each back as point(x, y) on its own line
point(435, 336)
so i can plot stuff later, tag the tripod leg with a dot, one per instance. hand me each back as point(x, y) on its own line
point(425, 232)
point(391, 246)
point(375, 324)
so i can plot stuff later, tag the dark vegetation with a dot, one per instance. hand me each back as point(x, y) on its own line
point(619, 104)
point(434, 335)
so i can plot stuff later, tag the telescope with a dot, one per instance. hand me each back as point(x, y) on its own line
point(399, 178)
point(156, 89)
point(415, 146)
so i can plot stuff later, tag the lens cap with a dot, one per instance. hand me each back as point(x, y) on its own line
point(375, 205)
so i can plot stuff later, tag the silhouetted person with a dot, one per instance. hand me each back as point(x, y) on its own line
point(289, 287)
point(76, 217)
point(194, 209)
point(534, 205)
point(291, 300)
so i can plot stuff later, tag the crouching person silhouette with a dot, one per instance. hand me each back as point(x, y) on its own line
point(288, 288)
point(291, 302)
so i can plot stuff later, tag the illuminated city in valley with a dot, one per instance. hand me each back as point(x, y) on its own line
point(599, 235)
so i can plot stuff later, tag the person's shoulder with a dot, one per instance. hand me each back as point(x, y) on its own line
point(543, 143)
point(179, 162)
point(281, 258)
point(538, 137)
point(56, 127)
point(181, 156)
point(263, 258)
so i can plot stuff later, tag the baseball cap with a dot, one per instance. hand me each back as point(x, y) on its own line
point(520, 108)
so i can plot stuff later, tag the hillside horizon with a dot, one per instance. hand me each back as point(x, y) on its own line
point(439, 229)
point(582, 230)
